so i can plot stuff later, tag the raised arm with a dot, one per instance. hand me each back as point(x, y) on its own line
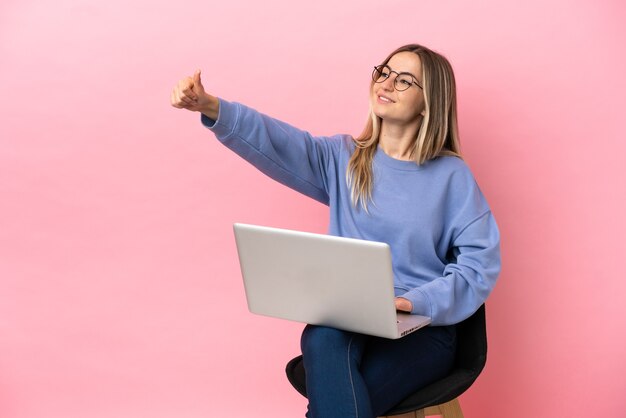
point(285, 153)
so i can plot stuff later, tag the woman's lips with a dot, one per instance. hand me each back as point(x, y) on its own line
point(384, 99)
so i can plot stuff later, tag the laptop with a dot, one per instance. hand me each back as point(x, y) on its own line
point(321, 279)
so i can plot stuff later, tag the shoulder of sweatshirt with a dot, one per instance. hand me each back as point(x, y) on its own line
point(451, 164)
point(457, 172)
point(343, 143)
point(464, 198)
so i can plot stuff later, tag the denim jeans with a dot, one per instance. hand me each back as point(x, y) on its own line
point(351, 375)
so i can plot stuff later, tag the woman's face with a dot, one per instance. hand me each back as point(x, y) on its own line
point(400, 107)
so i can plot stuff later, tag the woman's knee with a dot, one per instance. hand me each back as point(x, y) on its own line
point(317, 339)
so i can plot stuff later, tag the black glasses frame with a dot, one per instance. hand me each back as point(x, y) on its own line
point(378, 77)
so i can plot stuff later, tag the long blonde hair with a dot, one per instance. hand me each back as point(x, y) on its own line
point(438, 134)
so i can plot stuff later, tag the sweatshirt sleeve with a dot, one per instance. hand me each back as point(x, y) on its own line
point(288, 155)
point(473, 258)
point(467, 281)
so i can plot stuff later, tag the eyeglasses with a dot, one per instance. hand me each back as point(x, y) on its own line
point(402, 82)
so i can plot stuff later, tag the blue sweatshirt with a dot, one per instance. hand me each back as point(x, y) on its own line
point(444, 241)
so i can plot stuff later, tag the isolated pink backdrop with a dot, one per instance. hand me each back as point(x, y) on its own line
point(120, 293)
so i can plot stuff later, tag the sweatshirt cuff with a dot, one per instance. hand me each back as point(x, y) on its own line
point(226, 119)
point(419, 300)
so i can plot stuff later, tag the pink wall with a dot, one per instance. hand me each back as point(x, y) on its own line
point(120, 293)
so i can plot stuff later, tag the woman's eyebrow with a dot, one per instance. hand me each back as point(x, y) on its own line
point(402, 72)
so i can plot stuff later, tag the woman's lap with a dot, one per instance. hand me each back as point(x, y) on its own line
point(393, 369)
point(351, 374)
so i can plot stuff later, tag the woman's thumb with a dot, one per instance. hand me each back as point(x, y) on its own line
point(197, 82)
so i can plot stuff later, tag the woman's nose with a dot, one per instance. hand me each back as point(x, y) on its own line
point(389, 82)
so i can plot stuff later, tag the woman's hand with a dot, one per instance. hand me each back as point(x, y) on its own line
point(404, 305)
point(189, 94)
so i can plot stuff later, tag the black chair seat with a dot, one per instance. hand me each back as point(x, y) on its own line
point(470, 361)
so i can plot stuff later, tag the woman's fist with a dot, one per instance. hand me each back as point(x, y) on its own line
point(189, 94)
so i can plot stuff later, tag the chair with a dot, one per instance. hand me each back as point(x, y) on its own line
point(440, 397)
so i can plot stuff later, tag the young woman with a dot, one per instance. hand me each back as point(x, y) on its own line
point(403, 182)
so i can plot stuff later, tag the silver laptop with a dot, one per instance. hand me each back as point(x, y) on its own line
point(321, 279)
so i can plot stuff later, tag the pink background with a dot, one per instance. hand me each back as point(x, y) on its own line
point(120, 294)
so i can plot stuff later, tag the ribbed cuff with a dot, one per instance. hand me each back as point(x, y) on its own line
point(226, 119)
point(419, 300)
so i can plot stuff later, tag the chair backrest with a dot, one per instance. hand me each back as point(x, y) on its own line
point(472, 342)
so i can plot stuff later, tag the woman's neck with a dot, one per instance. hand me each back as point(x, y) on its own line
point(397, 140)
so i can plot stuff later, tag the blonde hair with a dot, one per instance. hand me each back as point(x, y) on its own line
point(438, 134)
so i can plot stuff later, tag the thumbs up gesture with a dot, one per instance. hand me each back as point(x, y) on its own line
point(189, 94)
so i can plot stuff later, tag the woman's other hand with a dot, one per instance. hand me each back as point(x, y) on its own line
point(404, 305)
point(189, 94)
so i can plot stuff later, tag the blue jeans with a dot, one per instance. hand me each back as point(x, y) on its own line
point(351, 375)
